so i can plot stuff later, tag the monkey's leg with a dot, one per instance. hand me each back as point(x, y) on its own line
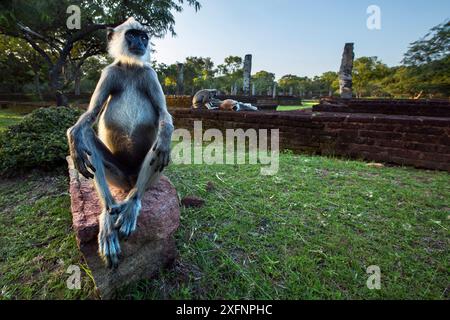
point(104, 162)
point(131, 207)
point(156, 159)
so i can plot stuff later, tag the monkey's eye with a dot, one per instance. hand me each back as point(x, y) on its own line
point(144, 37)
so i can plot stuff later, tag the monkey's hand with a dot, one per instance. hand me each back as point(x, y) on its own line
point(80, 152)
point(128, 213)
point(108, 239)
point(161, 148)
point(161, 155)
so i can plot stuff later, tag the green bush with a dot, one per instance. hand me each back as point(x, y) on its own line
point(38, 141)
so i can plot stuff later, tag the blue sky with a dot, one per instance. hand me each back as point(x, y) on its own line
point(302, 37)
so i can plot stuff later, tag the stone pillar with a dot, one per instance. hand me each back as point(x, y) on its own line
point(274, 92)
point(247, 73)
point(345, 73)
point(253, 89)
point(291, 91)
point(235, 89)
point(180, 79)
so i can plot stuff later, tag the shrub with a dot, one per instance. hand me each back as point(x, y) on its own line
point(38, 141)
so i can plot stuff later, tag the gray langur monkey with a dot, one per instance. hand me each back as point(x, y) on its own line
point(132, 145)
point(206, 98)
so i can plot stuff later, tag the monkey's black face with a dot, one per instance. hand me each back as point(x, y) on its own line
point(137, 41)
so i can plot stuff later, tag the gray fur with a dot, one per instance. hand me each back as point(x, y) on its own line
point(132, 146)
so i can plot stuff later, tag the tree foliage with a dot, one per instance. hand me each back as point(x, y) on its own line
point(424, 72)
point(263, 82)
point(368, 72)
point(42, 24)
point(434, 46)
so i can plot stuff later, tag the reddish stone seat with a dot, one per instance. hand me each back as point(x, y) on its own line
point(147, 250)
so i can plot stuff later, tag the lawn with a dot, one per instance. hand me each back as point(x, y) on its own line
point(9, 117)
point(309, 232)
point(306, 104)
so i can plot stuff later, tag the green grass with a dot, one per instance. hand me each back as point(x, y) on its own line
point(306, 104)
point(9, 117)
point(37, 243)
point(309, 232)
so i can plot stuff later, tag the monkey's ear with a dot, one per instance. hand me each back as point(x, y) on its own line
point(109, 33)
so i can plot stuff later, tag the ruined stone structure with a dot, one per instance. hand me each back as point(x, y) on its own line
point(247, 74)
point(345, 72)
point(381, 135)
point(180, 79)
point(264, 102)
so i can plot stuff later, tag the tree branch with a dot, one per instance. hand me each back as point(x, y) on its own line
point(38, 49)
point(89, 29)
point(27, 30)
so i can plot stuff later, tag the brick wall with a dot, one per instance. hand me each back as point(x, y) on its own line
point(423, 142)
point(178, 101)
point(430, 108)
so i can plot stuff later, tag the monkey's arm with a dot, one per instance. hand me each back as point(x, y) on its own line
point(165, 129)
point(77, 134)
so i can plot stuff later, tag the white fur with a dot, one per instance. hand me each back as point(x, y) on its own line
point(118, 47)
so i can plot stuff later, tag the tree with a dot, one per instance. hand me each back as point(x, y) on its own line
point(263, 81)
point(289, 83)
point(401, 83)
point(433, 47)
point(167, 75)
point(19, 63)
point(42, 24)
point(91, 69)
point(231, 73)
point(330, 81)
point(427, 63)
point(198, 73)
point(367, 74)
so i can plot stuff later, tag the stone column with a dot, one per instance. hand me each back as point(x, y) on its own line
point(247, 73)
point(274, 92)
point(235, 89)
point(180, 79)
point(345, 73)
point(253, 89)
point(291, 91)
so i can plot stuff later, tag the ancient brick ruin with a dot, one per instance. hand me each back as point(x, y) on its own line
point(402, 132)
point(262, 102)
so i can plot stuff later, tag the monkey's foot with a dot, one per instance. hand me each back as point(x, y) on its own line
point(108, 241)
point(127, 220)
